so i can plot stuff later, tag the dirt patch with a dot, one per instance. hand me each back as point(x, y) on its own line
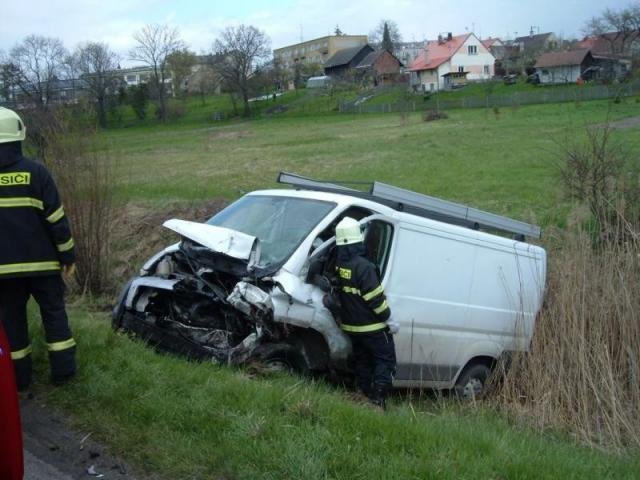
point(229, 134)
point(53, 449)
point(622, 124)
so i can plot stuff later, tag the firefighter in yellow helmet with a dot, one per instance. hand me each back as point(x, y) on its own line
point(36, 246)
point(366, 316)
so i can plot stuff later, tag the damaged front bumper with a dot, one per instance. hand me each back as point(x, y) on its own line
point(205, 304)
point(201, 342)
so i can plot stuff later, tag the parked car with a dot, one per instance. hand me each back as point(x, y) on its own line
point(510, 79)
point(248, 284)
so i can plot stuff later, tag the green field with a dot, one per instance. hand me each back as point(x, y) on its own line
point(505, 163)
point(184, 420)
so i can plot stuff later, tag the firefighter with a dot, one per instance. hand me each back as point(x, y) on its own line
point(366, 316)
point(36, 247)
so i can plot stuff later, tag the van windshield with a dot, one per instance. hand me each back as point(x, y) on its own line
point(280, 223)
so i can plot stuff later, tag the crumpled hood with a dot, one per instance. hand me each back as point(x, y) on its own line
point(219, 239)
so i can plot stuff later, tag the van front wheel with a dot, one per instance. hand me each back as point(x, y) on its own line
point(472, 382)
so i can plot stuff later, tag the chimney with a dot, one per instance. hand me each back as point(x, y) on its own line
point(440, 40)
point(531, 32)
point(449, 36)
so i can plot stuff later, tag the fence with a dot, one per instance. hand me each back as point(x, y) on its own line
point(544, 95)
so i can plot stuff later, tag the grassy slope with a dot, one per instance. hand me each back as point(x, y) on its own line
point(503, 164)
point(190, 420)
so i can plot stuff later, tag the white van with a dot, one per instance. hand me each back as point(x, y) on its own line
point(248, 284)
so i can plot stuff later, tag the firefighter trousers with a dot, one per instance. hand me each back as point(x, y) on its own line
point(48, 292)
point(374, 356)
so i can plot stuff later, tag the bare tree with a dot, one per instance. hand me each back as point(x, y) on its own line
point(97, 65)
point(155, 43)
point(620, 28)
point(33, 66)
point(376, 36)
point(240, 50)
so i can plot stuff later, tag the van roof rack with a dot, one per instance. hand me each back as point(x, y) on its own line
point(418, 204)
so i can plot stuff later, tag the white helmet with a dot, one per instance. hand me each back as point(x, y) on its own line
point(11, 126)
point(348, 231)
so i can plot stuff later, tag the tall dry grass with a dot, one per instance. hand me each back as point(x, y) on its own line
point(583, 371)
point(83, 173)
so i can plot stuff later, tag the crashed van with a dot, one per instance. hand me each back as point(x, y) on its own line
point(248, 284)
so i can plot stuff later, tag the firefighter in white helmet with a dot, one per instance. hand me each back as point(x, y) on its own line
point(35, 248)
point(366, 316)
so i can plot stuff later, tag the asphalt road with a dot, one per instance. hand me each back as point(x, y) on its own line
point(53, 450)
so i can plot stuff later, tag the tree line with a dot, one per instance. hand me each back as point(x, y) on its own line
point(35, 67)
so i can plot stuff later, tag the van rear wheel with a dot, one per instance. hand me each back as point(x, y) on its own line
point(472, 382)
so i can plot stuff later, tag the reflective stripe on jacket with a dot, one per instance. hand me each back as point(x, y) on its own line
point(364, 304)
point(35, 238)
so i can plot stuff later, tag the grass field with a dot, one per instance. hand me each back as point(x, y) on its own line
point(184, 420)
point(504, 163)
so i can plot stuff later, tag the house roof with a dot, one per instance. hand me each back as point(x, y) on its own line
point(559, 59)
point(606, 43)
point(372, 57)
point(436, 53)
point(344, 57)
point(489, 42)
point(533, 42)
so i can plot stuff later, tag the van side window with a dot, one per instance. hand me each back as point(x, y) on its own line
point(379, 236)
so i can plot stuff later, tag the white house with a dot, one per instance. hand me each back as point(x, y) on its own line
point(450, 62)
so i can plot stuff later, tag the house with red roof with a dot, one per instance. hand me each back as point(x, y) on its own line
point(450, 62)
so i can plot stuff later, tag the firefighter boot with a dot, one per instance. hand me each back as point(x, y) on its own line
point(379, 396)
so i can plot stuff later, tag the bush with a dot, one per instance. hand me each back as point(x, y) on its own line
point(175, 109)
point(432, 115)
point(603, 176)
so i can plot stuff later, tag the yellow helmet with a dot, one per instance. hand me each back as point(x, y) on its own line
point(348, 231)
point(11, 127)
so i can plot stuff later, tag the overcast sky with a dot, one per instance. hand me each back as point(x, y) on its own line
point(286, 21)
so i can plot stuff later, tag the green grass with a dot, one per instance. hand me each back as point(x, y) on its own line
point(185, 420)
point(401, 94)
point(504, 163)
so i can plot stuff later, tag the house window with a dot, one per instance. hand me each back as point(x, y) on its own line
point(486, 69)
point(131, 78)
point(432, 87)
point(461, 69)
point(472, 49)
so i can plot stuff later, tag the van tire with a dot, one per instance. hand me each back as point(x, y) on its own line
point(472, 382)
point(281, 357)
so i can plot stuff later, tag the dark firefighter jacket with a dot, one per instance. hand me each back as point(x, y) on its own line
point(35, 238)
point(364, 305)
